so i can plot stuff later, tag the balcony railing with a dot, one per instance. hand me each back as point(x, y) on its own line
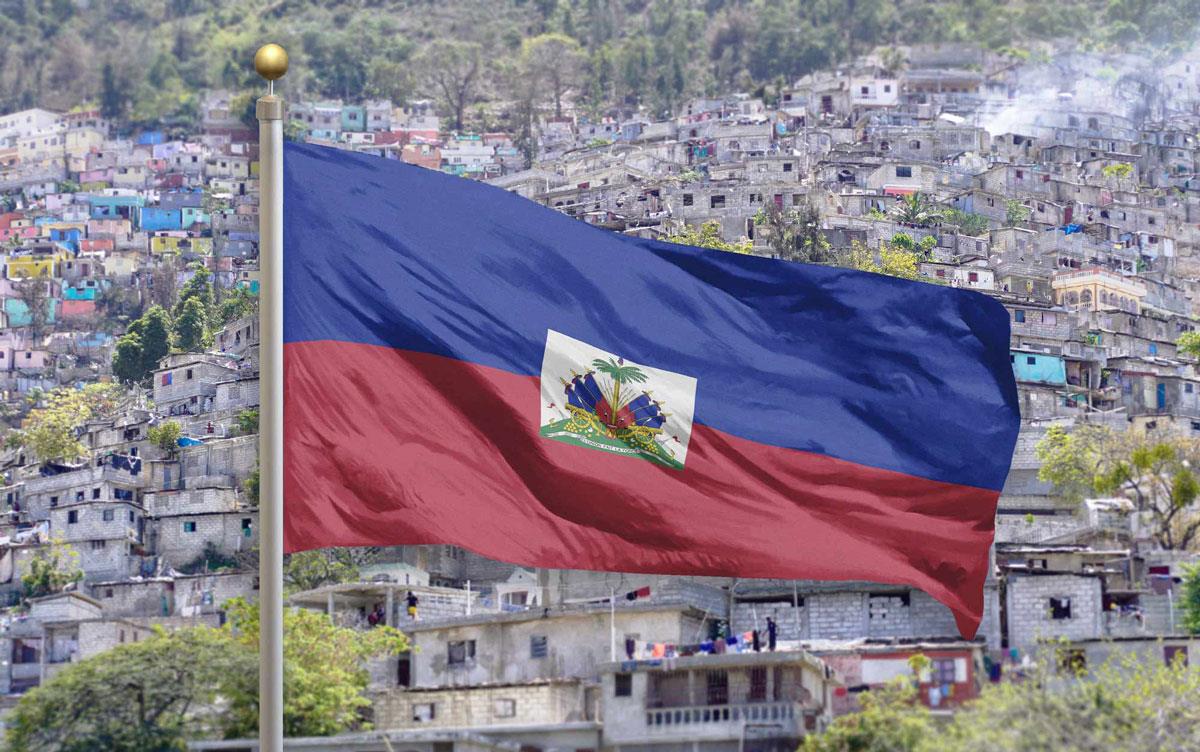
point(749, 713)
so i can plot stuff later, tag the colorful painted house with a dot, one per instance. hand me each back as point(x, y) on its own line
point(18, 314)
point(1038, 367)
point(115, 207)
point(40, 261)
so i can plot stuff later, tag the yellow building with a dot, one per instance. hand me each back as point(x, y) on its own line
point(1097, 289)
point(27, 264)
point(171, 244)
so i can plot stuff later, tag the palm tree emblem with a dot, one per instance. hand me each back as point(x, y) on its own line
point(620, 374)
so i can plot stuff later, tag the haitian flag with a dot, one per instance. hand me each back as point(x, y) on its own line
point(463, 366)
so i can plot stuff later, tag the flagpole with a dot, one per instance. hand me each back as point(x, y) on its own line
point(271, 62)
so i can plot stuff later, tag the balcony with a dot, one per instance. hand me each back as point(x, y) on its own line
point(782, 713)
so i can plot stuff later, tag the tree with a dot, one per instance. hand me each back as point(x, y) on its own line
point(708, 235)
point(49, 433)
point(891, 719)
point(793, 235)
point(145, 342)
point(1015, 212)
point(556, 62)
point(1125, 704)
point(191, 333)
point(1189, 344)
point(247, 421)
point(917, 210)
point(31, 291)
point(891, 260)
point(127, 359)
point(1191, 599)
point(451, 68)
point(237, 302)
point(1117, 171)
point(1157, 475)
point(306, 570)
point(53, 567)
point(166, 436)
point(968, 223)
point(112, 94)
point(251, 485)
point(324, 676)
point(139, 696)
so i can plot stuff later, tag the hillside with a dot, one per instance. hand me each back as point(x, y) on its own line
point(146, 59)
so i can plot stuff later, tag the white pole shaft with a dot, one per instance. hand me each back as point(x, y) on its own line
point(270, 448)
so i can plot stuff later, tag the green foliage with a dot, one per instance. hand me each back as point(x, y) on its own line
point(324, 676)
point(144, 343)
point(147, 59)
point(708, 235)
point(201, 682)
point(1190, 601)
point(210, 559)
point(49, 432)
point(1189, 344)
point(166, 436)
point(451, 72)
point(53, 567)
point(247, 421)
point(1157, 475)
point(891, 719)
point(1117, 171)
point(191, 330)
point(916, 209)
point(1015, 212)
point(968, 223)
point(251, 486)
point(237, 302)
point(794, 235)
point(892, 260)
point(306, 570)
point(139, 696)
point(1128, 704)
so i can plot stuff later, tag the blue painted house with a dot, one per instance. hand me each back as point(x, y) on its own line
point(154, 218)
point(115, 207)
point(1038, 368)
point(18, 313)
point(354, 118)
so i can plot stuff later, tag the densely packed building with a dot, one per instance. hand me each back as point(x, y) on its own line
point(1080, 217)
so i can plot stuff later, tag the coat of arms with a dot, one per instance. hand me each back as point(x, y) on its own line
point(599, 400)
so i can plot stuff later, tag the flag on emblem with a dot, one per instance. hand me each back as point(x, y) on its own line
point(463, 366)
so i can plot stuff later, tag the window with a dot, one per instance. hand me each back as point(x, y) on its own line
point(537, 646)
point(460, 651)
point(758, 684)
point(864, 90)
point(972, 276)
point(717, 688)
point(247, 527)
point(95, 493)
point(107, 515)
point(189, 526)
point(53, 501)
point(98, 545)
point(424, 712)
point(1189, 388)
point(688, 199)
point(887, 88)
point(1030, 360)
point(1173, 653)
point(1019, 317)
point(1060, 608)
point(943, 671)
point(108, 592)
point(787, 166)
point(716, 202)
point(72, 517)
point(189, 374)
point(504, 708)
point(1020, 174)
point(623, 685)
point(903, 171)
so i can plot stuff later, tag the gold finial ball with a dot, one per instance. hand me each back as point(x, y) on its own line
point(271, 61)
